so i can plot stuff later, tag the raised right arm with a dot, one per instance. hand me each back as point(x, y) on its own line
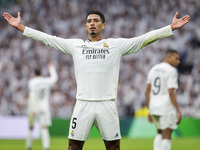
point(15, 22)
point(53, 41)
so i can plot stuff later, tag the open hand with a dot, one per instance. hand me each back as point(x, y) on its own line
point(178, 23)
point(15, 22)
point(50, 66)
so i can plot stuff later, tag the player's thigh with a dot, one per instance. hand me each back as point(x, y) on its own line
point(166, 133)
point(31, 118)
point(82, 120)
point(107, 120)
point(168, 121)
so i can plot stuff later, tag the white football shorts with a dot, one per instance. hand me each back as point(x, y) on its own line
point(102, 114)
point(43, 116)
point(163, 122)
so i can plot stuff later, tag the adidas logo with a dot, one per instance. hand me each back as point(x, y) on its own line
point(116, 135)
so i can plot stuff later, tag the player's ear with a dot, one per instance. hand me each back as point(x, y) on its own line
point(103, 26)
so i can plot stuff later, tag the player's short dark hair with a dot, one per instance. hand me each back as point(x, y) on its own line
point(101, 15)
point(171, 51)
point(37, 71)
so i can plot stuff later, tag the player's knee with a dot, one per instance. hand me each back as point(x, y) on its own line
point(115, 147)
point(31, 127)
point(75, 145)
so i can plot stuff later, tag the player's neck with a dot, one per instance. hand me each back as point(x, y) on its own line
point(94, 38)
point(166, 61)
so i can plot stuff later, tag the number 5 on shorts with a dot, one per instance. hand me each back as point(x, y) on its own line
point(74, 123)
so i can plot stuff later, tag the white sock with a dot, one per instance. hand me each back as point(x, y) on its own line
point(45, 138)
point(29, 139)
point(166, 144)
point(157, 142)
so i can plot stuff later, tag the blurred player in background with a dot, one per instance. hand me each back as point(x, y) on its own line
point(161, 99)
point(96, 63)
point(38, 104)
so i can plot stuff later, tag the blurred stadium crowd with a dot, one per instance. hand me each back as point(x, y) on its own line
point(124, 18)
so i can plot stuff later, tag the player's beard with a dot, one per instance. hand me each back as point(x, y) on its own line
point(92, 34)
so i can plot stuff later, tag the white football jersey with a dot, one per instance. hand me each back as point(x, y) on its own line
point(39, 91)
point(97, 63)
point(162, 77)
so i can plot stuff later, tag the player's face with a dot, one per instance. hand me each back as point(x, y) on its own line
point(94, 25)
point(175, 60)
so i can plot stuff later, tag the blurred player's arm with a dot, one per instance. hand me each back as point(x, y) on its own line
point(53, 73)
point(147, 98)
point(147, 94)
point(172, 95)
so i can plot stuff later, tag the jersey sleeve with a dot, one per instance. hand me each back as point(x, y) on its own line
point(64, 45)
point(133, 45)
point(173, 79)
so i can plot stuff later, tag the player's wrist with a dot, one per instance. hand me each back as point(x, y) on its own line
point(21, 27)
point(172, 27)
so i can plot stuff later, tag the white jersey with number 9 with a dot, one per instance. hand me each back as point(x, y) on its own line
point(162, 77)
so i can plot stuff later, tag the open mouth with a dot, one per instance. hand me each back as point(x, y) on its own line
point(92, 28)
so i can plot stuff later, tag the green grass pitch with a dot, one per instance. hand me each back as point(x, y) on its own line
point(61, 143)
